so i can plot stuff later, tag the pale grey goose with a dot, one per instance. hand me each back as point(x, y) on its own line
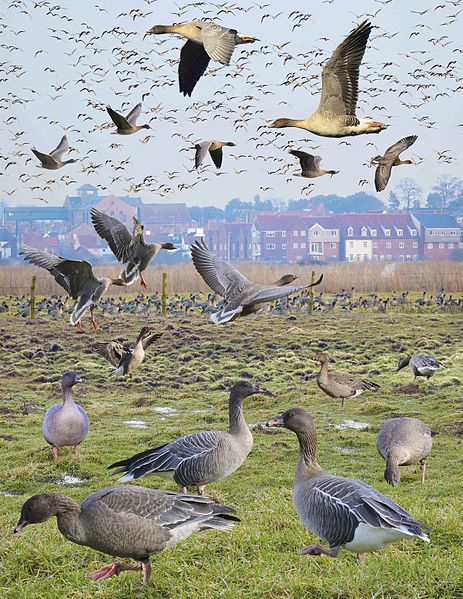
point(201, 458)
point(239, 292)
point(335, 115)
point(66, 424)
point(127, 521)
point(310, 165)
point(344, 512)
point(420, 365)
point(390, 159)
point(127, 125)
point(54, 160)
point(401, 442)
point(205, 40)
point(215, 150)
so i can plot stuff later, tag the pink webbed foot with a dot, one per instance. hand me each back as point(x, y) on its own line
point(105, 572)
point(318, 550)
point(183, 489)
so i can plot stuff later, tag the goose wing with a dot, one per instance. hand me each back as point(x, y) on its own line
point(201, 151)
point(45, 159)
point(219, 42)
point(383, 174)
point(113, 351)
point(272, 293)
point(308, 161)
point(134, 114)
point(60, 149)
point(396, 149)
point(150, 339)
point(217, 157)
point(113, 232)
point(193, 63)
point(425, 362)
point(120, 121)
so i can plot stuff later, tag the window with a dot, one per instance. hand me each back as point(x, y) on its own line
point(365, 244)
point(295, 233)
point(453, 232)
point(365, 256)
point(332, 245)
point(461, 246)
point(270, 246)
point(295, 246)
point(400, 232)
point(351, 244)
point(408, 257)
point(351, 257)
point(373, 232)
point(413, 232)
point(431, 232)
point(415, 244)
point(381, 257)
point(441, 246)
point(303, 246)
point(388, 244)
point(304, 232)
point(415, 257)
point(388, 257)
point(429, 245)
point(333, 231)
point(375, 244)
point(316, 233)
point(450, 246)
point(270, 234)
point(364, 231)
point(387, 232)
point(283, 233)
point(402, 257)
point(283, 246)
point(350, 232)
point(401, 244)
point(314, 248)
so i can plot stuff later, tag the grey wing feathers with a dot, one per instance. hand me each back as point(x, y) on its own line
point(425, 361)
point(147, 341)
point(45, 159)
point(60, 149)
point(201, 151)
point(193, 63)
point(134, 114)
point(308, 161)
point(218, 41)
point(382, 175)
point(113, 232)
point(269, 294)
point(344, 378)
point(113, 351)
point(119, 120)
point(400, 146)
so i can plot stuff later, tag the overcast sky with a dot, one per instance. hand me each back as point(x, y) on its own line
point(64, 67)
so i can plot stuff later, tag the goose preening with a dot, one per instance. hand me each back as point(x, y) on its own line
point(344, 512)
point(401, 442)
point(310, 165)
point(127, 125)
point(240, 293)
point(390, 159)
point(127, 358)
point(340, 385)
point(76, 277)
point(215, 150)
point(54, 160)
point(66, 424)
point(126, 247)
point(335, 115)
point(420, 365)
point(201, 458)
point(127, 521)
point(205, 40)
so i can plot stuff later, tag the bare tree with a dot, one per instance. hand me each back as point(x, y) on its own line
point(409, 193)
point(446, 191)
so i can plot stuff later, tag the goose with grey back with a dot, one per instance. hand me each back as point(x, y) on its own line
point(390, 159)
point(127, 248)
point(335, 115)
point(127, 125)
point(128, 522)
point(76, 277)
point(54, 160)
point(215, 150)
point(239, 292)
point(66, 424)
point(420, 365)
point(310, 165)
point(284, 280)
point(201, 458)
point(401, 442)
point(344, 512)
point(205, 41)
point(340, 385)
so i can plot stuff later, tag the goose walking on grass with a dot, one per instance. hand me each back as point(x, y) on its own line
point(54, 160)
point(205, 41)
point(346, 513)
point(76, 277)
point(240, 293)
point(128, 522)
point(201, 458)
point(310, 165)
point(420, 365)
point(215, 150)
point(335, 115)
point(390, 159)
point(127, 125)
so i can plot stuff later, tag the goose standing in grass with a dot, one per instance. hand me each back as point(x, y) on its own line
point(335, 115)
point(54, 160)
point(126, 247)
point(205, 40)
point(215, 150)
point(310, 165)
point(127, 521)
point(344, 512)
point(240, 293)
point(420, 365)
point(66, 424)
point(390, 159)
point(201, 458)
point(127, 125)
point(340, 385)
point(401, 442)
point(127, 359)
point(76, 278)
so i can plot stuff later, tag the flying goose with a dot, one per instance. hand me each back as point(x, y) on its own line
point(66, 424)
point(127, 521)
point(239, 292)
point(76, 278)
point(340, 384)
point(335, 115)
point(127, 359)
point(310, 165)
point(401, 442)
point(126, 247)
point(344, 512)
point(54, 160)
point(127, 125)
point(390, 159)
point(215, 150)
point(420, 365)
point(201, 458)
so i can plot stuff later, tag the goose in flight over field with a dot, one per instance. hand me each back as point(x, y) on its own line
point(205, 40)
point(127, 125)
point(240, 293)
point(335, 115)
point(215, 150)
point(310, 165)
point(390, 159)
point(54, 160)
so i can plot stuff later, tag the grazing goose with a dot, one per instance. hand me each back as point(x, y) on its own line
point(54, 160)
point(205, 40)
point(420, 365)
point(401, 442)
point(344, 512)
point(390, 159)
point(310, 165)
point(127, 125)
point(239, 292)
point(215, 150)
point(77, 278)
point(335, 115)
point(126, 247)
point(340, 384)
point(201, 458)
point(127, 359)
point(66, 424)
point(127, 521)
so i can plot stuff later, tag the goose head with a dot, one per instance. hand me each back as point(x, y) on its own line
point(69, 380)
point(36, 509)
point(321, 357)
point(244, 389)
point(297, 420)
point(403, 361)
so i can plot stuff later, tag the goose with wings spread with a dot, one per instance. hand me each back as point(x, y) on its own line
point(54, 160)
point(240, 294)
point(127, 125)
point(390, 159)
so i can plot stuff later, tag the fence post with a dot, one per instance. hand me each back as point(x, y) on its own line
point(32, 305)
point(164, 294)
point(310, 306)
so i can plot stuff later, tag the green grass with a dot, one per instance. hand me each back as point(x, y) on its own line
point(190, 371)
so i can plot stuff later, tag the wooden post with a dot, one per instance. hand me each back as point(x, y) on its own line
point(164, 294)
point(32, 304)
point(310, 306)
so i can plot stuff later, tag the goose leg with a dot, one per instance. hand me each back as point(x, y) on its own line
point(79, 327)
point(183, 489)
point(75, 452)
point(361, 558)
point(54, 453)
point(423, 470)
point(143, 283)
point(342, 402)
point(113, 570)
point(319, 550)
point(146, 567)
point(201, 490)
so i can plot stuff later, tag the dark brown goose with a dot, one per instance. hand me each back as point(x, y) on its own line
point(310, 165)
point(390, 159)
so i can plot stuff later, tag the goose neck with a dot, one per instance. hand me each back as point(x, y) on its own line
point(236, 419)
point(307, 464)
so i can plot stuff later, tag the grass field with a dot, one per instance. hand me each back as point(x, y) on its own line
point(182, 388)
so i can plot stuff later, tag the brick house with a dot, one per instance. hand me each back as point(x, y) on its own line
point(274, 236)
point(121, 207)
point(323, 238)
point(165, 219)
point(118, 208)
point(440, 235)
point(230, 241)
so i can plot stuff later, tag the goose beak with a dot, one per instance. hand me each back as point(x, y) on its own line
point(79, 380)
point(278, 421)
point(20, 525)
point(263, 391)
